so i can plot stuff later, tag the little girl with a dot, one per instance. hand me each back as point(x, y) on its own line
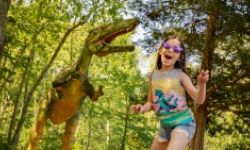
point(167, 89)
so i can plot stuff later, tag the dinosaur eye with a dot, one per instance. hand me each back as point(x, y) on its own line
point(91, 47)
point(94, 32)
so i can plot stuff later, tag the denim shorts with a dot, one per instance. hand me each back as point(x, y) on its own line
point(164, 134)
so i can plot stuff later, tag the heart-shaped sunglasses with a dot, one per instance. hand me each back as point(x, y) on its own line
point(167, 46)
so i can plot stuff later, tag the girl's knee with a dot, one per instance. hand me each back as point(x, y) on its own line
point(159, 145)
point(178, 141)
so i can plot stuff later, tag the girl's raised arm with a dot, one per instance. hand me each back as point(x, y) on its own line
point(197, 94)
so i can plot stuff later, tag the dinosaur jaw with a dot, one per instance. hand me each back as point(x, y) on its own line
point(112, 36)
point(99, 40)
point(114, 49)
point(106, 34)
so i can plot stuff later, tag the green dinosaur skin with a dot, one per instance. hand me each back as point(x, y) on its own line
point(65, 97)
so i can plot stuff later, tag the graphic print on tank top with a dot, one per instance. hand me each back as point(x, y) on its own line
point(168, 94)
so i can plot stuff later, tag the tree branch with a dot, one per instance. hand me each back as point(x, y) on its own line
point(247, 102)
point(215, 87)
point(224, 110)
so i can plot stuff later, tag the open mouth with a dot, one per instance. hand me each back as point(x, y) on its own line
point(112, 36)
point(168, 57)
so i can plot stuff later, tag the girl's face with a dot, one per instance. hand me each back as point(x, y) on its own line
point(170, 53)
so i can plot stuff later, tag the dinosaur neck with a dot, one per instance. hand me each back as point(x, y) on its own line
point(83, 62)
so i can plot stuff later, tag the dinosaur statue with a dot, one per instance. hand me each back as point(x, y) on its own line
point(65, 97)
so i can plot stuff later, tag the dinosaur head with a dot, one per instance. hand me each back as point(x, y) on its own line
point(99, 40)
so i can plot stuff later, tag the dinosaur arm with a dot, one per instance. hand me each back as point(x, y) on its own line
point(90, 91)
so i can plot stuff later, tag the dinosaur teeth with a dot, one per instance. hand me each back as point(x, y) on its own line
point(112, 36)
point(119, 31)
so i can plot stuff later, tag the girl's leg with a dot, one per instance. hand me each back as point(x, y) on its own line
point(178, 141)
point(159, 146)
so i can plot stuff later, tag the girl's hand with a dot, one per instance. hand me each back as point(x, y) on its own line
point(203, 76)
point(136, 108)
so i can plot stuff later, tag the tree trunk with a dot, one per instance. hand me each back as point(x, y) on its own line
point(4, 7)
point(10, 74)
point(89, 135)
point(15, 138)
point(200, 111)
point(16, 103)
point(200, 114)
point(3, 107)
point(89, 126)
point(6, 104)
point(125, 129)
point(108, 128)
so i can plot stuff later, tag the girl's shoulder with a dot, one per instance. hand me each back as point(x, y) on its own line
point(184, 76)
point(150, 73)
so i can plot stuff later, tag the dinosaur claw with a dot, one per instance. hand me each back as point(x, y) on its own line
point(100, 87)
point(98, 93)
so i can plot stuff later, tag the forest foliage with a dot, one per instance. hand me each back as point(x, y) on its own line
point(42, 37)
